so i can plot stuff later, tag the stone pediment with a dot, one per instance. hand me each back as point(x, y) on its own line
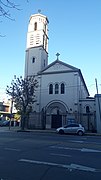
point(59, 66)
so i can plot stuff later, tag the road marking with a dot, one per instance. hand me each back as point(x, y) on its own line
point(65, 148)
point(83, 168)
point(77, 149)
point(77, 141)
point(89, 150)
point(70, 167)
point(53, 154)
point(11, 149)
point(86, 142)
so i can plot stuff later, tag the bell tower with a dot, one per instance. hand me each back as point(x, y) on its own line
point(36, 58)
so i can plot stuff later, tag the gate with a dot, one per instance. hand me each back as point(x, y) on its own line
point(56, 121)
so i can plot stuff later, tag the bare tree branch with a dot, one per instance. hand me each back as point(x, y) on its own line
point(2, 35)
point(5, 9)
point(9, 4)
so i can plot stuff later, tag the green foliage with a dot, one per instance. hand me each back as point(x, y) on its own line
point(22, 92)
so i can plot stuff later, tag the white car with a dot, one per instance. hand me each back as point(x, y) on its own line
point(72, 128)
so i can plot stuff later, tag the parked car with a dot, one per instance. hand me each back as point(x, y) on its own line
point(5, 123)
point(73, 128)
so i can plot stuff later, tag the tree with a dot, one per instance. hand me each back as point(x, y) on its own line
point(22, 92)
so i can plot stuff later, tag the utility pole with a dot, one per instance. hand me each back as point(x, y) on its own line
point(11, 110)
point(12, 99)
point(96, 85)
point(98, 99)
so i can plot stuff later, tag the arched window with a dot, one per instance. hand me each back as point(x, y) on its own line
point(33, 60)
point(56, 89)
point(62, 88)
point(35, 26)
point(51, 89)
point(87, 109)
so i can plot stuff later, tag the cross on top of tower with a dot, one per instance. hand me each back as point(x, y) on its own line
point(57, 56)
point(39, 11)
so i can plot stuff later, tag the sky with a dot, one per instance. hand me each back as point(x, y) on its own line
point(74, 32)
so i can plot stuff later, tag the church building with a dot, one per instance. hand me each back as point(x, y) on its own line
point(62, 95)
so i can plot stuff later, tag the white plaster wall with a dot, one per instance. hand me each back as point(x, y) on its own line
point(88, 102)
point(70, 96)
point(40, 55)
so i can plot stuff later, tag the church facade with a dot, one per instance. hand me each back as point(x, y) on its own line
point(62, 95)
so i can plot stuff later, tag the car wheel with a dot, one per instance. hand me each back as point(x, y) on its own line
point(80, 133)
point(61, 131)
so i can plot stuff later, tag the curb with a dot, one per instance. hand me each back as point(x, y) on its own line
point(17, 129)
point(37, 131)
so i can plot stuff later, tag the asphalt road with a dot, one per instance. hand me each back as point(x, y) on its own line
point(42, 156)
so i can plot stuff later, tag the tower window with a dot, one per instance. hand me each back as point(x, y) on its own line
point(44, 63)
point(33, 60)
point(51, 89)
point(56, 89)
point(35, 26)
point(62, 88)
point(31, 40)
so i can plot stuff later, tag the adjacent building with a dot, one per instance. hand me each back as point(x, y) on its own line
point(4, 110)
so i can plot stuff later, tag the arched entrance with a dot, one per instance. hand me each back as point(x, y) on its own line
point(56, 112)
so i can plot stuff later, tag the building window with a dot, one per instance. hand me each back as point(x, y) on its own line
point(62, 88)
point(51, 89)
point(33, 60)
point(37, 38)
point(31, 40)
point(56, 89)
point(35, 26)
point(87, 109)
point(44, 62)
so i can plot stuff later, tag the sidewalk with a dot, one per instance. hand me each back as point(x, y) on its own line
point(18, 129)
point(6, 129)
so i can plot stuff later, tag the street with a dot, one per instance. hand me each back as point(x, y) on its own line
point(42, 156)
